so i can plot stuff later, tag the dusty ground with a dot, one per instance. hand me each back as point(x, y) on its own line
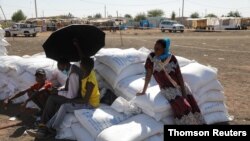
point(229, 51)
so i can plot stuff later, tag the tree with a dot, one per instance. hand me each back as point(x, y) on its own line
point(90, 17)
point(128, 16)
point(173, 15)
point(211, 15)
point(194, 15)
point(98, 16)
point(233, 14)
point(155, 13)
point(140, 16)
point(18, 16)
point(109, 16)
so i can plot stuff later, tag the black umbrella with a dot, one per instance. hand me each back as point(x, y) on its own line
point(60, 43)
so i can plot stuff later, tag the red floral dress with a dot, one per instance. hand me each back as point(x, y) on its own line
point(168, 75)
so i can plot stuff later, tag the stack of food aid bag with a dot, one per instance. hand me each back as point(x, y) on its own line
point(121, 71)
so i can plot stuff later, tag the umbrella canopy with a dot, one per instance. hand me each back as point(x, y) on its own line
point(60, 43)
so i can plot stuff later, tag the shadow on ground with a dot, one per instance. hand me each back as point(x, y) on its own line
point(15, 129)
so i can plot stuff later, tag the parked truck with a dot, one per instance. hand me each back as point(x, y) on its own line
point(205, 23)
point(22, 29)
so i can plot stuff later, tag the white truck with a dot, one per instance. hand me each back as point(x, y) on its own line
point(171, 26)
point(21, 29)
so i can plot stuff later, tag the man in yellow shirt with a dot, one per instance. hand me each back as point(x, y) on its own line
point(90, 99)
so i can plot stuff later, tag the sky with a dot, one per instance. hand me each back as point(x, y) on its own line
point(85, 8)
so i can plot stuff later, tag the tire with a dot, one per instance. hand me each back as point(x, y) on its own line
point(174, 30)
point(34, 35)
point(170, 31)
point(182, 31)
point(7, 34)
point(162, 30)
point(14, 35)
point(26, 33)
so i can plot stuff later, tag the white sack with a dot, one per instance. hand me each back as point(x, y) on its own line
point(183, 61)
point(81, 134)
point(121, 105)
point(197, 75)
point(3, 51)
point(210, 96)
point(212, 85)
point(112, 78)
point(122, 59)
point(105, 51)
point(136, 128)
point(153, 100)
point(8, 63)
point(65, 133)
point(158, 115)
point(128, 87)
point(169, 120)
point(3, 94)
point(27, 80)
point(68, 120)
point(96, 120)
point(3, 80)
point(211, 107)
point(216, 117)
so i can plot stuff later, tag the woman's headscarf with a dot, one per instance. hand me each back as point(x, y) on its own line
point(166, 51)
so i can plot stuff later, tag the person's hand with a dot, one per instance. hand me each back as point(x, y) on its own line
point(141, 93)
point(53, 90)
point(5, 103)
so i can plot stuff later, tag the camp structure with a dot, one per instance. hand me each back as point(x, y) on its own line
point(205, 23)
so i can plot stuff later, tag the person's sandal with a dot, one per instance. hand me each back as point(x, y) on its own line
point(37, 133)
point(41, 133)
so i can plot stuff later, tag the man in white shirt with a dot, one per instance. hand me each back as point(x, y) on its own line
point(70, 91)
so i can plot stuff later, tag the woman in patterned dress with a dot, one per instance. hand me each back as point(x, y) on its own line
point(165, 68)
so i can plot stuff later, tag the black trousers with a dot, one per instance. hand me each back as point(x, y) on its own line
point(52, 106)
point(40, 98)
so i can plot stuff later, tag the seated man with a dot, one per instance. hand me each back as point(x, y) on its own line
point(90, 99)
point(66, 94)
point(38, 93)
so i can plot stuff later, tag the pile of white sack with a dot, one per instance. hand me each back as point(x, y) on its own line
point(121, 71)
point(18, 73)
point(124, 71)
point(106, 123)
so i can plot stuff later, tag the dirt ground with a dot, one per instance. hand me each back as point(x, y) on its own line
point(229, 51)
